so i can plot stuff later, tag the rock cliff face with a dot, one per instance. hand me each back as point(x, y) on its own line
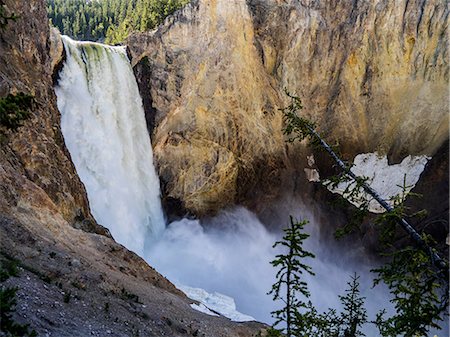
point(372, 74)
point(214, 105)
point(35, 157)
point(73, 279)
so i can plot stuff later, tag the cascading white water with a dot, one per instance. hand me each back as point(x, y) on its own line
point(103, 124)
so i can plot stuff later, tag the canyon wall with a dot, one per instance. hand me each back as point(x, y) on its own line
point(35, 158)
point(72, 278)
point(372, 74)
point(214, 107)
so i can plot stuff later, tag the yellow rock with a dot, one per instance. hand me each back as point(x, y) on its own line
point(373, 76)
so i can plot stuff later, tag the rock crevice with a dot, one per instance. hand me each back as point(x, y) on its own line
point(373, 75)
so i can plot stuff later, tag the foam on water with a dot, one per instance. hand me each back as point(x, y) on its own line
point(103, 123)
point(223, 262)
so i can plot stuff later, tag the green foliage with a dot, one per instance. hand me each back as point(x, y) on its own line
point(331, 324)
point(354, 314)
point(8, 268)
point(420, 293)
point(8, 326)
point(14, 109)
point(8, 302)
point(290, 276)
point(302, 318)
point(109, 20)
point(420, 299)
point(353, 192)
point(4, 17)
point(124, 294)
point(417, 277)
point(271, 332)
point(297, 128)
point(387, 222)
point(419, 289)
point(313, 323)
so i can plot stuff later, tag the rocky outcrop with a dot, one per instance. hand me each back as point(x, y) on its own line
point(76, 284)
point(36, 153)
point(372, 74)
point(72, 278)
point(214, 106)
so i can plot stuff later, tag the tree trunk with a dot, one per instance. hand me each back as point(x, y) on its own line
point(288, 295)
point(435, 258)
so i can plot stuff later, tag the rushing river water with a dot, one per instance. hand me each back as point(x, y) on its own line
point(223, 262)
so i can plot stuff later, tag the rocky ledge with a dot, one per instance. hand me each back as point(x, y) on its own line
point(73, 279)
point(372, 74)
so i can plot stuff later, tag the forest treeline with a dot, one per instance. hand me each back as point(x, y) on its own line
point(109, 21)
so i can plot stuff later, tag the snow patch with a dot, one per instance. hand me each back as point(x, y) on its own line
point(385, 179)
point(214, 302)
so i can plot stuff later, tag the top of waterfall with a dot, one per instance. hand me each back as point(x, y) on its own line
point(91, 43)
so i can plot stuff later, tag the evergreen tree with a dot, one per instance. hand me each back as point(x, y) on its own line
point(416, 276)
point(354, 315)
point(290, 282)
point(14, 110)
point(109, 20)
point(329, 324)
point(420, 294)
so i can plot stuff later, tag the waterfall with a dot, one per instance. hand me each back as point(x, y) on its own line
point(103, 124)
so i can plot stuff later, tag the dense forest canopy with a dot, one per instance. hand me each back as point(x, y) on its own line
point(110, 21)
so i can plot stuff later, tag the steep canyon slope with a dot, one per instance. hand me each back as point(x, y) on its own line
point(73, 278)
point(372, 74)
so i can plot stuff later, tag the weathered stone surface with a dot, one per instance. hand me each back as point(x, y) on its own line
point(215, 107)
point(57, 53)
point(37, 150)
point(72, 282)
point(373, 74)
point(56, 48)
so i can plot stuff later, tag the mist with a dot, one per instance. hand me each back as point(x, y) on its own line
point(105, 133)
point(231, 253)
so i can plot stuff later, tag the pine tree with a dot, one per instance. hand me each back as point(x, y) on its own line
point(290, 276)
point(354, 315)
point(416, 276)
point(109, 20)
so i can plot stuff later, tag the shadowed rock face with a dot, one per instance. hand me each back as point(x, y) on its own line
point(71, 282)
point(373, 74)
point(35, 155)
point(214, 105)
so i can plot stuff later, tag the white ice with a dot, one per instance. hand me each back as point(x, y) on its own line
point(385, 179)
point(215, 301)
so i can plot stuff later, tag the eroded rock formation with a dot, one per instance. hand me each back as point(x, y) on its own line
point(372, 74)
point(35, 157)
point(72, 278)
point(215, 107)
